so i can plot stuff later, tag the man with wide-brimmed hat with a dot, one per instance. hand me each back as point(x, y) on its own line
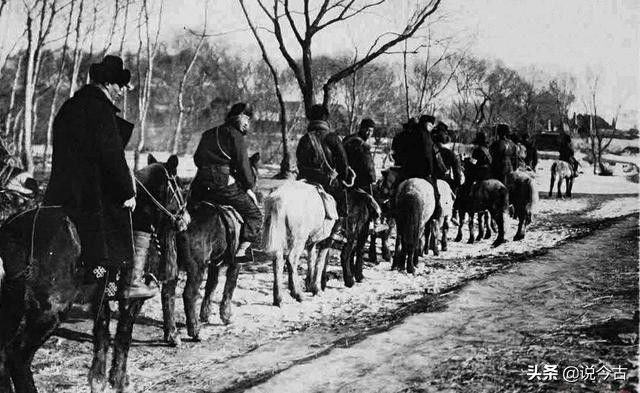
point(225, 175)
point(502, 154)
point(90, 178)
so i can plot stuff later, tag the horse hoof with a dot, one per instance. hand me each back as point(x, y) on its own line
point(97, 385)
point(445, 248)
point(487, 235)
point(386, 256)
point(518, 237)
point(349, 283)
point(470, 241)
point(480, 236)
point(498, 242)
point(277, 301)
point(204, 318)
point(174, 341)
point(298, 297)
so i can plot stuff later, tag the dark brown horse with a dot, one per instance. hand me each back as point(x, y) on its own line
point(40, 250)
point(208, 244)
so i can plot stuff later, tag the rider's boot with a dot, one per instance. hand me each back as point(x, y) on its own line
point(244, 253)
point(136, 287)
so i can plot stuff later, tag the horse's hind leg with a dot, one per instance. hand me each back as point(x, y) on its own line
point(482, 219)
point(358, 271)
point(461, 214)
point(320, 280)
point(101, 337)
point(372, 253)
point(292, 262)
point(472, 236)
point(346, 257)
point(312, 253)
point(190, 296)
point(168, 310)
point(488, 224)
point(499, 217)
point(445, 231)
point(128, 311)
point(278, 265)
point(521, 226)
point(569, 187)
point(210, 287)
point(229, 286)
point(553, 180)
point(384, 239)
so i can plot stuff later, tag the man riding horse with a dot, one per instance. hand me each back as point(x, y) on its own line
point(448, 164)
point(360, 160)
point(322, 160)
point(566, 151)
point(502, 154)
point(225, 176)
point(91, 180)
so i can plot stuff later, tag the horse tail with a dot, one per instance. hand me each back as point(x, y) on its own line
point(275, 228)
point(532, 199)
point(411, 218)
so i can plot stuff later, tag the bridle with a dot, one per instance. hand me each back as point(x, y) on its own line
point(172, 185)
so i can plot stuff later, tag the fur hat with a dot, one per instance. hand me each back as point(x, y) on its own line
point(110, 70)
point(502, 129)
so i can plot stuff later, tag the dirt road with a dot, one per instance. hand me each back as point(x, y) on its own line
point(265, 343)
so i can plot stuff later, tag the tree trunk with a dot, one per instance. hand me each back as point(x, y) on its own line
point(29, 92)
point(77, 53)
point(12, 98)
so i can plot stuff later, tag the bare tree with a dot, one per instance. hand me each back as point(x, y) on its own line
point(181, 109)
point(77, 51)
point(39, 22)
point(144, 90)
point(56, 88)
point(285, 164)
point(305, 26)
point(12, 100)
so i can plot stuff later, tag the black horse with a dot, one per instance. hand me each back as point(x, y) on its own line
point(18, 190)
point(40, 250)
point(208, 244)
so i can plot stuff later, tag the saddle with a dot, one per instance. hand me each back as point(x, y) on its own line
point(330, 207)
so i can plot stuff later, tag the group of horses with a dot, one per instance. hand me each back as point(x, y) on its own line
point(41, 269)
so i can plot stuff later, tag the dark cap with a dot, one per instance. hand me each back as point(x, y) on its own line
point(424, 119)
point(240, 108)
point(502, 129)
point(367, 123)
point(110, 70)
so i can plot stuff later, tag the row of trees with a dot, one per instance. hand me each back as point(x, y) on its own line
point(184, 86)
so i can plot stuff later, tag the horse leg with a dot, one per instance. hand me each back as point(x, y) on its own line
point(233, 270)
point(569, 187)
point(372, 254)
point(292, 262)
point(101, 337)
point(520, 233)
point(128, 310)
point(445, 231)
point(499, 217)
point(19, 354)
point(471, 234)
point(411, 256)
point(559, 193)
point(488, 224)
point(553, 180)
point(190, 296)
point(482, 218)
point(320, 280)
point(168, 310)
point(346, 257)
point(212, 282)
point(432, 228)
point(461, 214)
point(312, 253)
point(397, 255)
point(384, 239)
point(278, 265)
point(359, 251)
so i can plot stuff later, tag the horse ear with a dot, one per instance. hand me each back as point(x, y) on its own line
point(172, 163)
point(151, 159)
point(255, 158)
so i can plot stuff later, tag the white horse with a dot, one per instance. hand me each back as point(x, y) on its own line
point(295, 220)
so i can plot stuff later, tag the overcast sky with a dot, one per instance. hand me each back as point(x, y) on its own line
point(578, 36)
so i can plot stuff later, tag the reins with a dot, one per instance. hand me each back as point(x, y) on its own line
point(174, 192)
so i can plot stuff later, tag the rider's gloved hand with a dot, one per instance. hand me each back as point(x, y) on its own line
point(252, 195)
point(130, 203)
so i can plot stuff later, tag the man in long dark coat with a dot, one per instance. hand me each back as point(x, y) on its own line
point(321, 157)
point(225, 175)
point(448, 164)
point(91, 180)
point(361, 160)
point(502, 154)
point(420, 161)
point(481, 159)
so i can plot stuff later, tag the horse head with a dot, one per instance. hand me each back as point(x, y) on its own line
point(159, 195)
point(389, 183)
